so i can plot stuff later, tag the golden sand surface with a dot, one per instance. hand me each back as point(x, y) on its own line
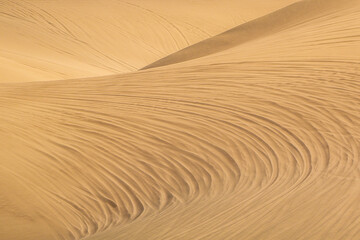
point(181, 120)
point(62, 39)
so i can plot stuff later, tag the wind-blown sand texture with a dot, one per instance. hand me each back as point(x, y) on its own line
point(180, 120)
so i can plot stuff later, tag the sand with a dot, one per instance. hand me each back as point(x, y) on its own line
point(62, 39)
point(180, 120)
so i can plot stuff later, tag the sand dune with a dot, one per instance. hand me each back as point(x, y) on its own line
point(253, 133)
point(280, 21)
point(51, 40)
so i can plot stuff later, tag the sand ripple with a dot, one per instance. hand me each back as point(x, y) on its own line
point(224, 146)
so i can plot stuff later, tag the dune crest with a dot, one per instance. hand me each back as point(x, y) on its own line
point(62, 39)
point(274, 22)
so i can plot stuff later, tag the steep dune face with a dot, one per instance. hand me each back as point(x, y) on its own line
point(291, 16)
point(256, 140)
point(47, 40)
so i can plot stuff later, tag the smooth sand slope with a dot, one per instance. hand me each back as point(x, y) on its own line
point(255, 137)
point(59, 39)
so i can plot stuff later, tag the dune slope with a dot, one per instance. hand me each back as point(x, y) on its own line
point(268, 25)
point(256, 140)
point(59, 39)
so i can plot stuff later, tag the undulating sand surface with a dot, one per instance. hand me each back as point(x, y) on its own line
point(59, 39)
point(149, 120)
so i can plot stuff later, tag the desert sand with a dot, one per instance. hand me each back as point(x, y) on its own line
point(149, 120)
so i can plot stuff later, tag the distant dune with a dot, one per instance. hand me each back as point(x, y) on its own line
point(243, 122)
point(59, 39)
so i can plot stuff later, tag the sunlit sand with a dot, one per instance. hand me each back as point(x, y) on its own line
point(184, 120)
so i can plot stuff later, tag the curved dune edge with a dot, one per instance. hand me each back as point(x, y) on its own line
point(279, 20)
point(64, 39)
point(215, 148)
